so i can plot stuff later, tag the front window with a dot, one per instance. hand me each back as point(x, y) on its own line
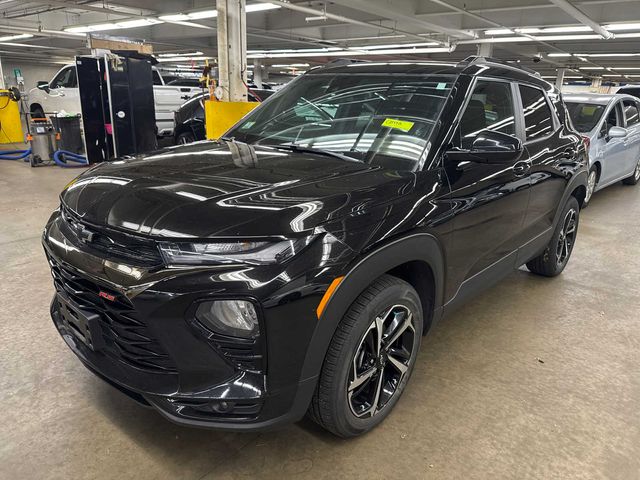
point(585, 116)
point(377, 119)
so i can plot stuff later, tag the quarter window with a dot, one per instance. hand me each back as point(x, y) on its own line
point(631, 112)
point(538, 122)
point(490, 107)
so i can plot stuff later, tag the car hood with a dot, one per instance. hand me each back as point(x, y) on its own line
point(210, 189)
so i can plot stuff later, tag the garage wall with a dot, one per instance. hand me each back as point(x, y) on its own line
point(31, 73)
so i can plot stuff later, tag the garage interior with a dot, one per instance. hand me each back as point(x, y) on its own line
point(534, 378)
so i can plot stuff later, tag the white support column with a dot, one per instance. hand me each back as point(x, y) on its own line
point(2, 85)
point(232, 49)
point(257, 72)
point(560, 78)
point(485, 49)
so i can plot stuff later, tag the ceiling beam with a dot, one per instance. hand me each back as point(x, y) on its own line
point(341, 18)
point(384, 11)
point(582, 18)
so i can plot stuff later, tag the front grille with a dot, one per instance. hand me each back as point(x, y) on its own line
point(115, 245)
point(126, 337)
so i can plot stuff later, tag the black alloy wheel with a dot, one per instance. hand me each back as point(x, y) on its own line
point(381, 361)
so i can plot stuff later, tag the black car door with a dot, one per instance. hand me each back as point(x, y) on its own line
point(550, 147)
point(489, 199)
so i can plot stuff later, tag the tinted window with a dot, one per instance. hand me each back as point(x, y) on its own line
point(537, 114)
point(65, 78)
point(631, 112)
point(156, 77)
point(377, 119)
point(585, 116)
point(490, 107)
point(185, 82)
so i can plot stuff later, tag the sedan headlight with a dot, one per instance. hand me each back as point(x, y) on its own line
point(249, 252)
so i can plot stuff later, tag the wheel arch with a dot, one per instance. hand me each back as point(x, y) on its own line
point(35, 106)
point(417, 259)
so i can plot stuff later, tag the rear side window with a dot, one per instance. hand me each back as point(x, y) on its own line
point(537, 114)
point(490, 107)
point(631, 112)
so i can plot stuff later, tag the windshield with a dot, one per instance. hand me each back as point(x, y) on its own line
point(585, 116)
point(377, 119)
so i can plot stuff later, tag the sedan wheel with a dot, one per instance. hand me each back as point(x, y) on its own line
point(591, 185)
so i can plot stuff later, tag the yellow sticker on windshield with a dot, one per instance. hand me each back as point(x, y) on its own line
point(398, 124)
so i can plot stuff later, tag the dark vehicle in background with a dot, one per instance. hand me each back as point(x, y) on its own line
point(295, 265)
point(630, 90)
point(189, 118)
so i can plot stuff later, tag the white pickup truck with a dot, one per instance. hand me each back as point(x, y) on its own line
point(61, 93)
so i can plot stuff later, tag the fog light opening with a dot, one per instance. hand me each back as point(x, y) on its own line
point(236, 318)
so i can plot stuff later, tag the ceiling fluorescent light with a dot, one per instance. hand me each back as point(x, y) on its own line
point(591, 68)
point(617, 27)
point(558, 54)
point(21, 36)
point(260, 7)
point(182, 59)
point(185, 54)
point(202, 14)
point(340, 52)
point(499, 31)
point(581, 28)
point(397, 45)
point(141, 22)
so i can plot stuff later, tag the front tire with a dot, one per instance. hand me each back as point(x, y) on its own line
point(635, 178)
point(557, 253)
point(370, 358)
point(185, 138)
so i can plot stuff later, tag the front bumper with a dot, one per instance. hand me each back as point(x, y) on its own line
point(149, 346)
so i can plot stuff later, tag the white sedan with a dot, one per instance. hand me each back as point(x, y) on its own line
point(611, 125)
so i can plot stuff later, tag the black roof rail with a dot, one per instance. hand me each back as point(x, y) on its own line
point(476, 59)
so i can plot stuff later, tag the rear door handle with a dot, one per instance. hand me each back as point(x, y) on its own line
point(521, 168)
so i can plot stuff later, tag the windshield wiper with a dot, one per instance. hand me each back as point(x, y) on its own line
point(317, 151)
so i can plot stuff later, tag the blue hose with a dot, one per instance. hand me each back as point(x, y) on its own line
point(59, 158)
point(14, 154)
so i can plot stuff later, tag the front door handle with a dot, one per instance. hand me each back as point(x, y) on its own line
point(520, 169)
point(569, 153)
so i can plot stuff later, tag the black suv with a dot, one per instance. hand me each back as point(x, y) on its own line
point(295, 265)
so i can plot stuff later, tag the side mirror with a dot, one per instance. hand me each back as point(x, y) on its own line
point(43, 86)
point(490, 146)
point(617, 132)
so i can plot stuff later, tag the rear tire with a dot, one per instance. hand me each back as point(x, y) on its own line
point(557, 253)
point(635, 178)
point(370, 358)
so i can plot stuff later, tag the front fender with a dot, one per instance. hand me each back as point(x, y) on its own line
point(421, 247)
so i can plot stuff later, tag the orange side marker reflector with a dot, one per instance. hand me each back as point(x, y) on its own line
point(327, 296)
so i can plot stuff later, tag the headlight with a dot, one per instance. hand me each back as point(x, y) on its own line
point(237, 318)
point(250, 252)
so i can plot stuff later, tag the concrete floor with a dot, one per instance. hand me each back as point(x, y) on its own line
point(536, 378)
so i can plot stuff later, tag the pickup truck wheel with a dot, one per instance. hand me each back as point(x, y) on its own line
point(635, 178)
point(37, 112)
point(556, 256)
point(185, 138)
point(370, 358)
